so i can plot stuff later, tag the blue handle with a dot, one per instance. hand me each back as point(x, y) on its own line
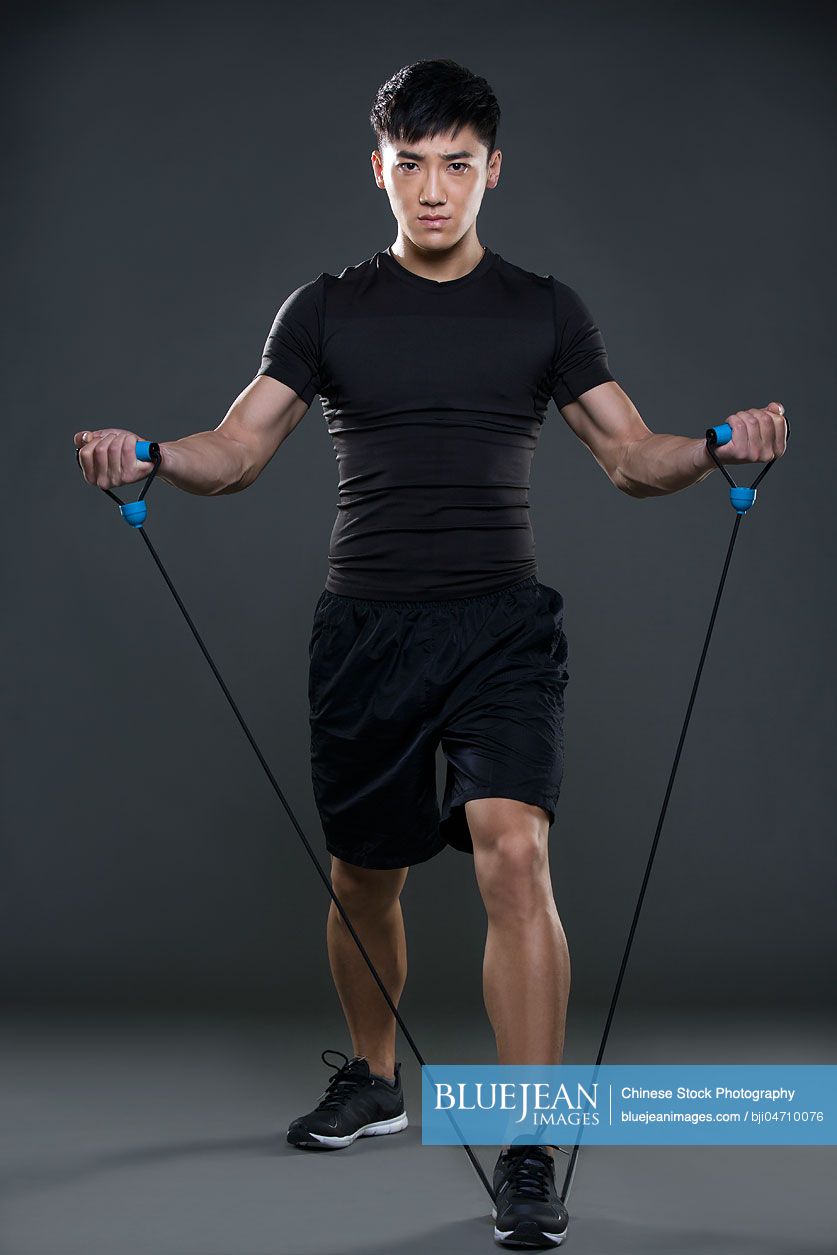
point(134, 512)
point(722, 434)
point(741, 499)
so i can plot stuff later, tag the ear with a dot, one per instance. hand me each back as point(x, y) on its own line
point(377, 167)
point(494, 164)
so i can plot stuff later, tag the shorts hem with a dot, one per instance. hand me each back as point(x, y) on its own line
point(378, 864)
point(549, 802)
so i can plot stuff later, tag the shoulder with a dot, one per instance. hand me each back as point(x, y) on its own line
point(570, 307)
point(519, 276)
point(565, 304)
point(563, 294)
point(300, 308)
point(358, 272)
point(311, 297)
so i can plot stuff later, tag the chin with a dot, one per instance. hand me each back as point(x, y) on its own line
point(435, 239)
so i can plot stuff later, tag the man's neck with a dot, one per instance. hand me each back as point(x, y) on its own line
point(453, 263)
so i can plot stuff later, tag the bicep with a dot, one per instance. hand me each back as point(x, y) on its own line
point(260, 418)
point(606, 420)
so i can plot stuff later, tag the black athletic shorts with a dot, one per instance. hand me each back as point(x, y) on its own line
point(391, 680)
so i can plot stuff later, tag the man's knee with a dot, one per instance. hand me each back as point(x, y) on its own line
point(366, 889)
point(511, 856)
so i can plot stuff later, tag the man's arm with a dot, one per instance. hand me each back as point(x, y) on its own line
point(643, 463)
point(230, 458)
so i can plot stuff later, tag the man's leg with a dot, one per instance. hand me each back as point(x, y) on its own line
point(526, 969)
point(371, 899)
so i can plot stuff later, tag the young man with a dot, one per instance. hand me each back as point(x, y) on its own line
point(435, 360)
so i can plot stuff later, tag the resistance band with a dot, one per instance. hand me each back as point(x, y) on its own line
point(741, 499)
point(135, 513)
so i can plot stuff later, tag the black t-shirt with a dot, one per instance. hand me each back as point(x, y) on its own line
point(434, 393)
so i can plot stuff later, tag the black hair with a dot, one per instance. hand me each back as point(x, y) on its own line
point(432, 97)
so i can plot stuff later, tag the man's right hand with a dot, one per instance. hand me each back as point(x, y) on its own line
point(108, 457)
point(207, 463)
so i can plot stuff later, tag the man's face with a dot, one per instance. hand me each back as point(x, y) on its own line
point(446, 177)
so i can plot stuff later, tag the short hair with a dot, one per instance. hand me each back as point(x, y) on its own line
point(431, 97)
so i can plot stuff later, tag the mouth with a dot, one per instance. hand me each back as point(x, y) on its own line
point(433, 219)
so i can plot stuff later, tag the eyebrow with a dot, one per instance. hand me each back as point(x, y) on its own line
point(403, 152)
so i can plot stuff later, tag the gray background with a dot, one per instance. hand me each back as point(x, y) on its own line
point(172, 172)
point(171, 179)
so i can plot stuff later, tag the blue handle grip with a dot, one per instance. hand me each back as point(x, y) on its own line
point(722, 434)
point(144, 450)
point(134, 512)
point(741, 499)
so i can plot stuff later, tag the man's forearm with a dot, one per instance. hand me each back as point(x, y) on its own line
point(206, 463)
point(661, 464)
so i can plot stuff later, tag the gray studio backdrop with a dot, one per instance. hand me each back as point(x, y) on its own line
point(172, 174)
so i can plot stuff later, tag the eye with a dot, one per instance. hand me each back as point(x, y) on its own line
point(401, 165)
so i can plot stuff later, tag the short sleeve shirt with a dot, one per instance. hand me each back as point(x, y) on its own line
point(434, 393)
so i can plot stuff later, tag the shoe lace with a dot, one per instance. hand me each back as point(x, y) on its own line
point(342, 1083)
point(531, 1174)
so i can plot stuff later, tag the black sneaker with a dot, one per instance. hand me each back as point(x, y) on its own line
point(528, 1212)
point(355, 1103)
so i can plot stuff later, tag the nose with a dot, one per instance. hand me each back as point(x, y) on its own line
point(431, 192)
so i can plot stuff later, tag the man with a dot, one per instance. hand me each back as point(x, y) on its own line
point(435, 360)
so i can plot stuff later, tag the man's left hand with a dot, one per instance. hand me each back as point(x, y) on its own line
point(757, 435)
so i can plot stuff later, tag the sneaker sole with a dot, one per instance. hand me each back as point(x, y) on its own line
point(526, 1234)
point(325, 1142)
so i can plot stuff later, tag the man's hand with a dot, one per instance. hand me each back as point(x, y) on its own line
point(757, 436)
point(107, 457)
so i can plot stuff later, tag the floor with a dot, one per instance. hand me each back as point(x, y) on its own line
point(139, 1134)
